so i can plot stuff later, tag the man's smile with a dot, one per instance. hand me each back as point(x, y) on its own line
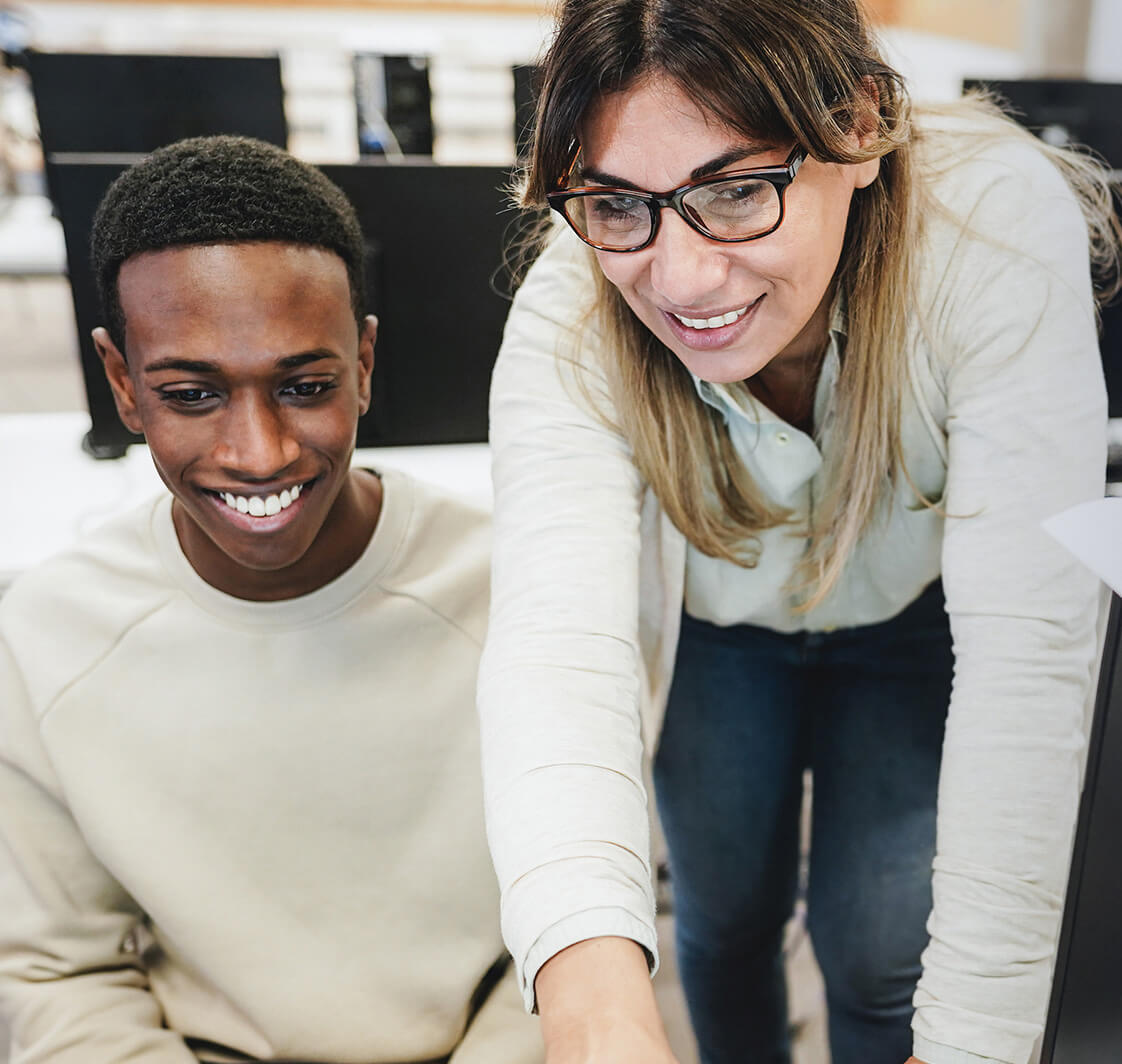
point(255, 510)
point(262, 505)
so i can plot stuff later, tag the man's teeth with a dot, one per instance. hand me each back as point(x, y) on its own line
point(712, 323)
point(262, 505)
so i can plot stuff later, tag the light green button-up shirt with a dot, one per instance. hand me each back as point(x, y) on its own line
point(895, 560)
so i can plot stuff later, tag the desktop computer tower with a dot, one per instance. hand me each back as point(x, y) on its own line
point(393, 104)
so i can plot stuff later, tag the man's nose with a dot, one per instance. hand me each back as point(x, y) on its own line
point(256, 442)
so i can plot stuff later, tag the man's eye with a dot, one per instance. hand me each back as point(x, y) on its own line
point(186, 396)
point(308, 389)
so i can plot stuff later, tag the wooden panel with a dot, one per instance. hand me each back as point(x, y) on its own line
point(425, 7)
point(995, 22)
point(883, 11)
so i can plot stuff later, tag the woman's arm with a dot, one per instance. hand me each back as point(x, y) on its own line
point(598, 1007)
point(1026, 439)
point(560, 679)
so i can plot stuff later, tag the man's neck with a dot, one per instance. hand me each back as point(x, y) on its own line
point(341, 541)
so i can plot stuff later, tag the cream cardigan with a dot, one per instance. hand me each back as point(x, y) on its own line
point(1006, 413)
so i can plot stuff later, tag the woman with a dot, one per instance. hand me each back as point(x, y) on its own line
point(804, 374)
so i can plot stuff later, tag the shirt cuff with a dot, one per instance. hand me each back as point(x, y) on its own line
point(593, 923)
point(935, 1053)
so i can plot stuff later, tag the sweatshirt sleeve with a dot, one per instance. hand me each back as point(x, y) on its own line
point(559, 683)
point(501, 1032)
point(1026, 439)
point(72, 988)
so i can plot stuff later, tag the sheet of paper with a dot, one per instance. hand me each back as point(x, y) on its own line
point(1092, 531)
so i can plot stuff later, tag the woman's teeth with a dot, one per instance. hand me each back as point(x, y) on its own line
point(261, 505)
point(712, 323)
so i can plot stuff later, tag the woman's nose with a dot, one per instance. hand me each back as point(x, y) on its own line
point(686, 268)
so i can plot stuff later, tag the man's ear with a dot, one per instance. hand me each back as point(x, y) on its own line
point(366, 340)
point(120, 381)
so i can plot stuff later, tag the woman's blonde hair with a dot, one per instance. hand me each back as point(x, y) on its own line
point(779, 70)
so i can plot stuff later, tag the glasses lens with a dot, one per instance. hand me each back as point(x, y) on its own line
point(612, 220)
point(735, 209)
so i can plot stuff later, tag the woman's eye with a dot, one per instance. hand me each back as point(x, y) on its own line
point(745, 192)
point(608, 208)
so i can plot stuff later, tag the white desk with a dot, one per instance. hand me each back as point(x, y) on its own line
point(55, 492)
point(30, 237)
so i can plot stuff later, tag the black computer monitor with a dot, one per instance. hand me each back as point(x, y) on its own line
point(435, 263)
point(1063, 112)
point(436, 254)
point(77, 184)
point(105, 102)
point(526, 78)
point(1110, 344)
point(1085, 1016)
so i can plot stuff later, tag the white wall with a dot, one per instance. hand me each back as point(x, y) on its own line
point(935, 66)
point(1104, 46)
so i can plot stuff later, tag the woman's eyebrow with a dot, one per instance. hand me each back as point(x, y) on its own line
point(735, 154)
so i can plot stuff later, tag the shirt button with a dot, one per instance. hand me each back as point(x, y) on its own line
point(782, 438)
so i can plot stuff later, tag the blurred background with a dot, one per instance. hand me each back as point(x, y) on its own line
point(439, 86)
point(421, 102)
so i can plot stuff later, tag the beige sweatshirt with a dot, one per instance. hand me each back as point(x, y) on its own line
point(232, 829)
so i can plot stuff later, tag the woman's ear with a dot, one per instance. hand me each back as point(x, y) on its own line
point(120, 380)
point(866, 128)
point(865, 113)
point(867, 172)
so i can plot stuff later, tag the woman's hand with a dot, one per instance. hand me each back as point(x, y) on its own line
point(597, 1006)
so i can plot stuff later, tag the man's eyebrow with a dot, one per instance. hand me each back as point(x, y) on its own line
point(201, 366)
point(182, 365)
point(304, 358)
point(707, 169)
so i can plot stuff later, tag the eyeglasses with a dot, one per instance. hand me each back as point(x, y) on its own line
point(731, 208)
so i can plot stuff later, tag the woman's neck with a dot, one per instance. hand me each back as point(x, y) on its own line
point(787, 384)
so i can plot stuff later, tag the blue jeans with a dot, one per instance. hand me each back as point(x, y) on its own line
point(750, 709)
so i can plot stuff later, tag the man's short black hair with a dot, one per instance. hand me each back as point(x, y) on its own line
point(219, 190)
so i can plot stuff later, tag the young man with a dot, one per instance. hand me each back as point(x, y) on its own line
point(240, 812)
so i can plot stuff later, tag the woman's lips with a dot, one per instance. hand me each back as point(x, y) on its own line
point(705, 334)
